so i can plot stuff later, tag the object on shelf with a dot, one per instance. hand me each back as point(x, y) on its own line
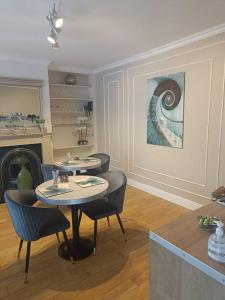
point(82, 131)
point(90, 105)
point(19, 124)
point(40, 123)
point(88, 108)
point(70, 79)
point(72, 146)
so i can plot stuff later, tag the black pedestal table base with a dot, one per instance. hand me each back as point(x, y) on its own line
point(84, 249)
point(80, 247)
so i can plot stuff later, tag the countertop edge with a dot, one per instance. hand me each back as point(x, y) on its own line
point(219, 277)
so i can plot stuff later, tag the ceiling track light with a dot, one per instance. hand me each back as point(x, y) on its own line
point(52, 38)
point(56, 23)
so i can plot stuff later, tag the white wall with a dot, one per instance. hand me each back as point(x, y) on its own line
point(19, 99)
point(194, 171)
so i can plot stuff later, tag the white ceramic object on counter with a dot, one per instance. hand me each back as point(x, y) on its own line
point(216, 244)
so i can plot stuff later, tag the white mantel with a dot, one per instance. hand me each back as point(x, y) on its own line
point(45, 141)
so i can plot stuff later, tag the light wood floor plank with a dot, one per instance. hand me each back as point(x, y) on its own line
point(118, 271)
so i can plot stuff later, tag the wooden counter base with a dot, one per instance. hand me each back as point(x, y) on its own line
point(172, 278)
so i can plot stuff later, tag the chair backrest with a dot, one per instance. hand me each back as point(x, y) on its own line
point(27, 220)
point(117, 186)
point(47, 169)
point(105, 160)
point(26, 197)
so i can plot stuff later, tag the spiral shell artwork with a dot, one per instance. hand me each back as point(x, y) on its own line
point(165, 117)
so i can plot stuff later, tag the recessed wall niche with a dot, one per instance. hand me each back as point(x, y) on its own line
point(20, 96)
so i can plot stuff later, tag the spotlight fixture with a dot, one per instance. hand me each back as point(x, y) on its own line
point(52, 38)
point(56, 23)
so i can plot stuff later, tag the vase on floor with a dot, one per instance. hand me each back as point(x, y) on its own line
point(24, 179)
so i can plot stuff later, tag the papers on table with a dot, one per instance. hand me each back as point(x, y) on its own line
point(74, 162)
point(91, 181)
point(68, 162)
point(90, 159)
point(54, 191)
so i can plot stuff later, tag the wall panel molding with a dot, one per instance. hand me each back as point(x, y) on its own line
point(157, 73)
point(221, 129)
point(109, 79)
point(164, 195)
point(108, 116)
point(199, 169)
point(169, 185)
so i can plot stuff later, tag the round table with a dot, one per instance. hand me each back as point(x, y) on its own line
point(78, 165)
point(82, 247)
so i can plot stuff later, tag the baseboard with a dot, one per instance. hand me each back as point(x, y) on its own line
point(164, 195)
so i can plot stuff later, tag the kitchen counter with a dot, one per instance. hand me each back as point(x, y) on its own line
point(179, 254)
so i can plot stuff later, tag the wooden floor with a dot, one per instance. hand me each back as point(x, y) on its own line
point(120, 270)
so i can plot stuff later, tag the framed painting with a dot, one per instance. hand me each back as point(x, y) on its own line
point(165, 110)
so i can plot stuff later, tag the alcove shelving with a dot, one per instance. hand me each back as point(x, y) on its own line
point(68, 114)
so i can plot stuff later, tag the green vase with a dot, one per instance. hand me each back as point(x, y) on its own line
point(24, 179)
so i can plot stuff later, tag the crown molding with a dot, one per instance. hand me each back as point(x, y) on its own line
point(170, 46)
point(42, 62)
point(20, 82)
point(63, 68)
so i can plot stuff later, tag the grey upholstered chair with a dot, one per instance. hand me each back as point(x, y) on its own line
point(47, 169)
point(32, 223)
point(110, 205)
point(105, 160)
point(28, 197)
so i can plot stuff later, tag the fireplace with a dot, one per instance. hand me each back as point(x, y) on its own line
point(10, 166)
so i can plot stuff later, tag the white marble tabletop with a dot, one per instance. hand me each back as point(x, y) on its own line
point(81, 164)
point(79, 195)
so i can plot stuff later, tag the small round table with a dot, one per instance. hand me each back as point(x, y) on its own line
point(80, 164)
point(82, 247)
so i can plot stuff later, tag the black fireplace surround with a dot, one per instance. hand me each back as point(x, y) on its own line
point(10, 168)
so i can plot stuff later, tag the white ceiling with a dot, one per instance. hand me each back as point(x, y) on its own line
point(100, 32)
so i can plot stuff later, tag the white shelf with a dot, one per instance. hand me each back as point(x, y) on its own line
point(77, 146)
point(73, 98)
point(67, 102)
point(17, 135)
point(64, 124)
point(68, 112)
point(68, 124)
point(70, 85)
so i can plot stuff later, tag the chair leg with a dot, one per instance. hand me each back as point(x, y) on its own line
point(95, 236)
point(108, 221)
point(121, 226)
point(27, 261)
point(20, 247)
point(57, 235)
point(80, 217)
point(68, 245)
